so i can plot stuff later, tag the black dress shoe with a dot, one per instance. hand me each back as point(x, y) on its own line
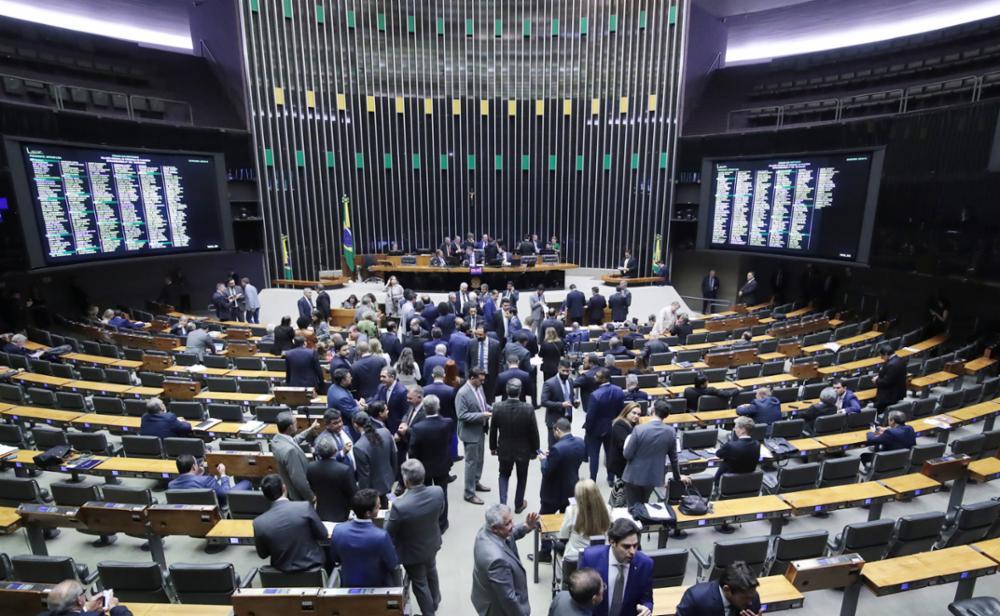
point(452, 478)
point(521, 507)
point(475, 500)
point(481, 488)
point(459, 458)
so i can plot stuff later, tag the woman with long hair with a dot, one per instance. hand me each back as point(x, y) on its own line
point(407, 370)
point(621, 428)
point(551, 351)
point(375, 346)
point(374, 456)
point(587, 516)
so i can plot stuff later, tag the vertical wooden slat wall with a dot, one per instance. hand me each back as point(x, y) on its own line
point(448, 117)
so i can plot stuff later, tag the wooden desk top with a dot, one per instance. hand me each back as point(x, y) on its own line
point(656, 391)
point(206, 371)
point(40, 379)
point(772, 589)
point(9, 520)
point(930, 380)
point(109, 421)
point(990, 547)
point(176, 609)
point(979, 364)
point(698, 365)
point(145, 392)
point(163, 468)
point(924, 345)
point(539, 267)
point(738, 507)
point(35, 412)
point(851, 366)
point(91, 359)
point(98, 387)
point(244, 529)
point(257, 374)
point(771, 356)
point(931, 424)
point(678, 390)
point(844, 439)
point(909, 484)
point(34, 346)
point(674, 419)
point(976, 411)
point(884, 575)
point(550, 522)
point(986, 469)
point(233, 427)
point(4, 406)
point(823, 498)
point(764, 380)
point(806, 444)
point(234, 396)
point(865, 337)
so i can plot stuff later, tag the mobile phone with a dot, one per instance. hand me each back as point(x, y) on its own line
point(107, 596)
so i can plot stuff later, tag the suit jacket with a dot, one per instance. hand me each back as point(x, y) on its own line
point(574, 304)
point(283, 336)
point(302, 368)
point(605, 404)
point(366, 555)
point(654, 346)
point(682, 331)
point(221, 304)
point(365, 375)
point(561, 471)
point(513, 430)
point(323, 304)
point(564, 605)
point(391, 345)
point(412, 523)
point(705, 599)
point(291, 465)
point(492, 365)
point(415, 342)
point(638, 587)
point(429, 442)
point(376, 464)
point(472, 422)
point(458, 349)
point(446, 322)
point(339, 398)
point(553, 397)
point(538, 307)
point(555, 324)
point(595, 309)
point(430, 363)
point(710, 286)
point(516, 373)
point(900, 437)
point(748, 292)
point(499, 580)
point(414, 416)
point(521, 352)
point(446, 395)
point(647, 452)
point(738, 456)
point(338, 362)
point(333, 484)
point(289, 533)
point(890, 387)
point(199, 342)
point(619, 307)
point(396, 402)
point(187, 481)
point(766, 411)
point(163, 425)
point(811, 413)
point(305, 308)
point(850, 402)
point(691, 394)
point(587, 384)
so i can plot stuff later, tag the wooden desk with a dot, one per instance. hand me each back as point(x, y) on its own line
point(920, 347)
point(674, 419)
point(52, 417)
point(908, 486)
point(96, 360)
point(136, 467)
point(257, 374)
point(851, 366)
point(30, 379)
point(984, 470)
point(678, 390)
point(228, 396)
point(972, 414)
point(845, 342)
point(961, 563)
point(921, 383)
point(739, 510)
point(776, 593)
point(144, 392)
point(978, 365)
point(97, 387)
point(840, 497)
point(10, 521)
point(990, 547)
point(844, 440)
point(176, 609)
point(774, 379)
point(698, 365)
point(186, 371)
point(233, 428)
point(112, 423)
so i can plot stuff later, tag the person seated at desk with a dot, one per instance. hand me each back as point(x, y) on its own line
point(471, 259)
point(627, 572)
point(198, 342)
point(682, 328)
point(734, 594)
point(847, 401)
point(364, 551)
point(438, 259)
point(16, 345)
point(632, 391)
point(156, 421)
point(699, 389)
point(69, 597)
point(745, 341)
point(191, 476)
point(740, 454)
point(179, 328)
point(289, 532)
point(117, 318)
point(827, 405)
point(587, 515)
point(586, 592)
point(897, 435)
point(764, 408)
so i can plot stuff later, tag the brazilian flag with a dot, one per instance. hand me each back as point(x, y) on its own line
point(348, 238)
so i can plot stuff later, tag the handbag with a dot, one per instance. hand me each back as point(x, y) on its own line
point(694, 504)
point(617, 497)
point(52, 457)
point(780, 447)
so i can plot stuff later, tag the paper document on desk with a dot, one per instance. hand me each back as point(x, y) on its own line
point(196, 368)
point(7, 450)
point(251, 427)
point(833, 346)
point(658, 511)
point(208, 423)
point(940, 421)
point(909, 349)
point(621, 513)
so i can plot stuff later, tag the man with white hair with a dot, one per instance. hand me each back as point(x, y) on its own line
point(70, 597)
point(305, 303)
point(666, 319)
point(499, 580)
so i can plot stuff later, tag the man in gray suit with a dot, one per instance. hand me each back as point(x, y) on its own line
point(538, 308)
point(646, 453)
point(289, 533)
point(291, 462)
point(499, 580)
point(412, 523)
point(473, 421)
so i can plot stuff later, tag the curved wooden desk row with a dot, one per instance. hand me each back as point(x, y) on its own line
point(328, 283)
point(32, 379)
point(634, 281)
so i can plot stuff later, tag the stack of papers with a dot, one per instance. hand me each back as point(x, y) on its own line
point(251, 427)
point(208, 423)
point(7, 450)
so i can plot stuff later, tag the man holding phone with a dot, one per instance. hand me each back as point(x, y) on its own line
point(69, 597)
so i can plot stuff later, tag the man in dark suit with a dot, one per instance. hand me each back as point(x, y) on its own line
point(366, 371)
point(827, 405)
point(331, 481)
point(190, 476)
point(305, 304)
point(518, 348)
point(697, 390)
point(655, 345)
point(747, 294)
point(414, 339)
point(682, 328)
point(341, 357)
point(552, 320)
point(392, 392)
point(491, 253)
point(847, 401)
point(526, 247)
point(629, 265)
point(741, 454)
point(365, 552)
point(438, 358)
point(626, 571)
point(649, 448)
point(604, 405)
point(437, 337)
point(619, 303)
point(289, 532)
point(514, 441)
point(574, 304)
point(897, 435)
point(513, 371)
point(734, 594)
point(322, 302)
point(511, 294)
point(484, 353)
point(302, 366)
point(430, 443)
point(412, 523)
point(764, 408)
point(595, 307)
point(220, 302)
point(560, 472)
point(458, 345)
point(429, 312)
point(709, 291)
point(586, 382)
point(890, 384)
point(446, 321)
point(390, 341)
point(156, 421)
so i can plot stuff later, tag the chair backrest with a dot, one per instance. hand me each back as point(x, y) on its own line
point(701, 485)
point(915, 533)
point(215, 361)
point(125, 494)
point(91, 373)
point(247, 504)
point(74, 494)
point(829, 424)
point(204, 583)
point(198, 496)
point(648, 380)
point(222, 383)
point(839, 471)
point(135, 446)
point(117, 375)
point(711, 403)
point(40, 366)
point(771, 368)
point(273, 578)
point(922, 408)
point(10, 392)
point(971, 395)
point(269, 414)
point(682, 377)
point(134, 582)
point(970, 523)
point(786, 394)
point(788, 428)
point(677, 405)
point(991, 387)
point(862, 419)
point(248, 363)
point(254, 386)
point(660, 359)
point(743, 397)
point(669, 566)
point(188, 409)
point(226, 412)
point(109, 350)
point(108, 405)
point(991, 443)
point(46, 437)
point(91, 348)
point(869, 539)
point(151, 379)
point(275, 364)
point(950, 401)
point(740, 485)
point(971, 445)
point(43, 569)
point(794, 478)
point(135, 407)
point(796, 546)
point(70, 400)
point(185, 359)
point(812, 390)
point(17, 490)
point(889, 464)
point(920, 453)
point(748, 371)
point(41, 397)
point(12, 435)
point(752, 551)
point(91, 442)
point(174, 446)
point(699, 439)
point(63, 371)
point(238, 444)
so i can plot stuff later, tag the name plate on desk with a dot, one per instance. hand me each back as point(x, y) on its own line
point(240, 348)
point(805, 371)
point(180, 390)
point(946, 468)
point(367, 601)
point(113, 517)
point(190, 520)
point(49, 515)
point(293, 396)
point(242, 463)
point(275, 601)
point(23, 597)
point(825, 573)
point(157, 363)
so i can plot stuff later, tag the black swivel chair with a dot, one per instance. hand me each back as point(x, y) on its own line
point(751, 551)
point(50, 569)
point(135, 582)
point(669, 566)
point(915, 533)
point(795, 546)
point(207, 584)
point(869, 539)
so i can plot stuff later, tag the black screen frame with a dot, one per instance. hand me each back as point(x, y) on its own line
point(25, 206)
point(705, 205)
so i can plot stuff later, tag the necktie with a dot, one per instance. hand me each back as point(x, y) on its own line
point(480, 398)
point(482, 355)
point(567, 392)
point(619, 592)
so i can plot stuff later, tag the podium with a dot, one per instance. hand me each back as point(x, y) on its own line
point(190, 520)
point(181, 390)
